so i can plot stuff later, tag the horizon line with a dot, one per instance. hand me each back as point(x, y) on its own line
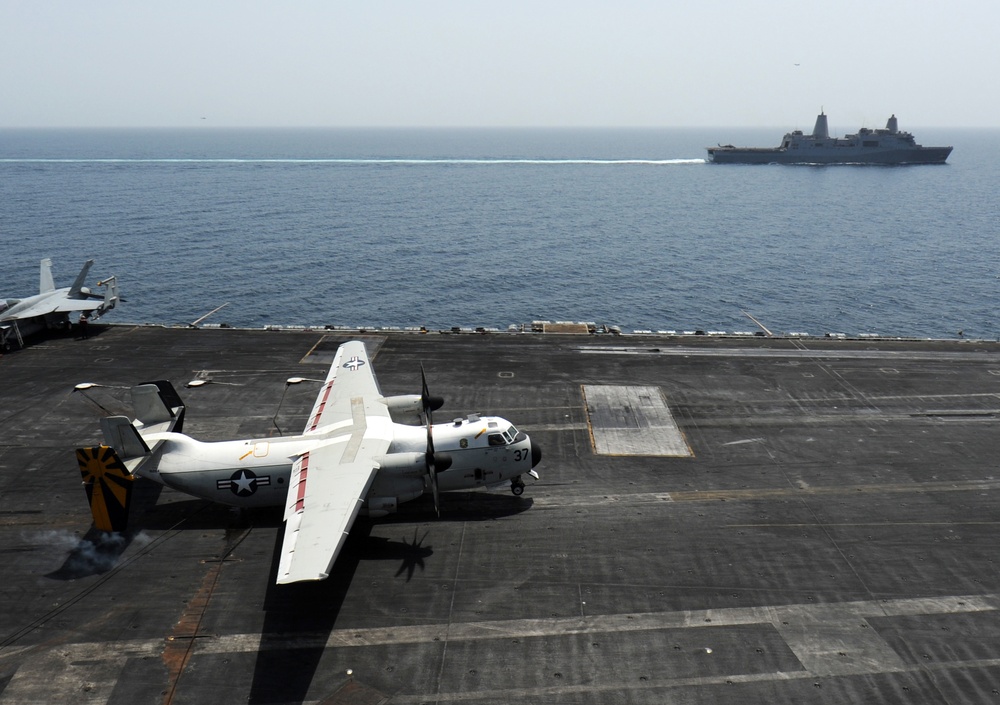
point(209, 126)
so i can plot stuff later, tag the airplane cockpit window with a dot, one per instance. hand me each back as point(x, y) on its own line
point(496, 439)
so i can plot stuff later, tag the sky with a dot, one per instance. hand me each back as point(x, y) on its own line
point(518, 63)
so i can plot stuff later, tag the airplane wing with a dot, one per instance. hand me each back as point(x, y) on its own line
point(56, 304)
point(351, 377)
point(67, 305)
point(330, 482)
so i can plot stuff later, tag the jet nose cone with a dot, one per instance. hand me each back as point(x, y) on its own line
point(536, 454)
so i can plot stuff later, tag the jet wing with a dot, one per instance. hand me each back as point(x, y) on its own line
point(68, 305)
point(55, 304)
point(329, 483)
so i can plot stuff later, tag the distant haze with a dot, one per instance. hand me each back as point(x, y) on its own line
point(466, 63)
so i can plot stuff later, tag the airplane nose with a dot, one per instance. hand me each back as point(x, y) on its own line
point(536, 454)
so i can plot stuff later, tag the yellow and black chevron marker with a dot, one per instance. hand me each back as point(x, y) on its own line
point(108, 484)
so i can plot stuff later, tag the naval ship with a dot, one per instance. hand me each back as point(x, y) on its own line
point(867, 146)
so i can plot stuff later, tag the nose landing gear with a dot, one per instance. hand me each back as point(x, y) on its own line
point(517, 486)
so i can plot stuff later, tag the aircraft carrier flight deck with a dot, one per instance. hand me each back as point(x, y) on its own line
point(717, 520)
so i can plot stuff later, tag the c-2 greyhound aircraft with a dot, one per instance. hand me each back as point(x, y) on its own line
point(50, 308)
point(360, 452)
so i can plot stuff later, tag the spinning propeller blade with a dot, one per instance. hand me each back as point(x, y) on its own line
point(435, 462)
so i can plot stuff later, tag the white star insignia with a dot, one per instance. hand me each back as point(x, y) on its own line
point(244, 483)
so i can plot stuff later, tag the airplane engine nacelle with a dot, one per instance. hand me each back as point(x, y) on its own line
point(377, 507)
point(400, 478)
point(391, 492)
point(403, 465)
point(405, 409)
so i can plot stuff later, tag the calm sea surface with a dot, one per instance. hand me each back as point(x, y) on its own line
point(494, 227)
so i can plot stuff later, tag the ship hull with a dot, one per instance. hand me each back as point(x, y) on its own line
point(835, 155)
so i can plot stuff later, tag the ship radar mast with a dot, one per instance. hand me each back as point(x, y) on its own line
point(821, 130)
point(892, 126)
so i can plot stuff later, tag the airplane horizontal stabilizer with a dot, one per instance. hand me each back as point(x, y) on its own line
point(108, 485)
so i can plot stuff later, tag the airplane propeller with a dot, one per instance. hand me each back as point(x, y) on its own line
point(436, 462)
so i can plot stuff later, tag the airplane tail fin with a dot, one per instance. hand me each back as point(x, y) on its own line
point(123, 437)
point(81, 278)
point(109, 470)
point(109, 486)
point(45, 281)
point(158, 406)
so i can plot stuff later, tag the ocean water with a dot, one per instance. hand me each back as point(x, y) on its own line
point(479, 227)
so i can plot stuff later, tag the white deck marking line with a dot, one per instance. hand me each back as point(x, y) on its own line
point(97, 665)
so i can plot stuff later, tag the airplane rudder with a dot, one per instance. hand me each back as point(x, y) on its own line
point(158, 402)
point(168, 394)
point(81, 279)
point(45, 281)
point(122, 436)
point(108, 485)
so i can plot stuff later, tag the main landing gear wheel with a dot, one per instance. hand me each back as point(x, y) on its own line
point(517, 486)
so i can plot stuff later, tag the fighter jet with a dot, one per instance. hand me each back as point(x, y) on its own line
point(51, 307)
point(360, 452)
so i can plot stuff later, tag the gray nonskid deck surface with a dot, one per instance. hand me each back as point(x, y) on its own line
point(831, 539)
